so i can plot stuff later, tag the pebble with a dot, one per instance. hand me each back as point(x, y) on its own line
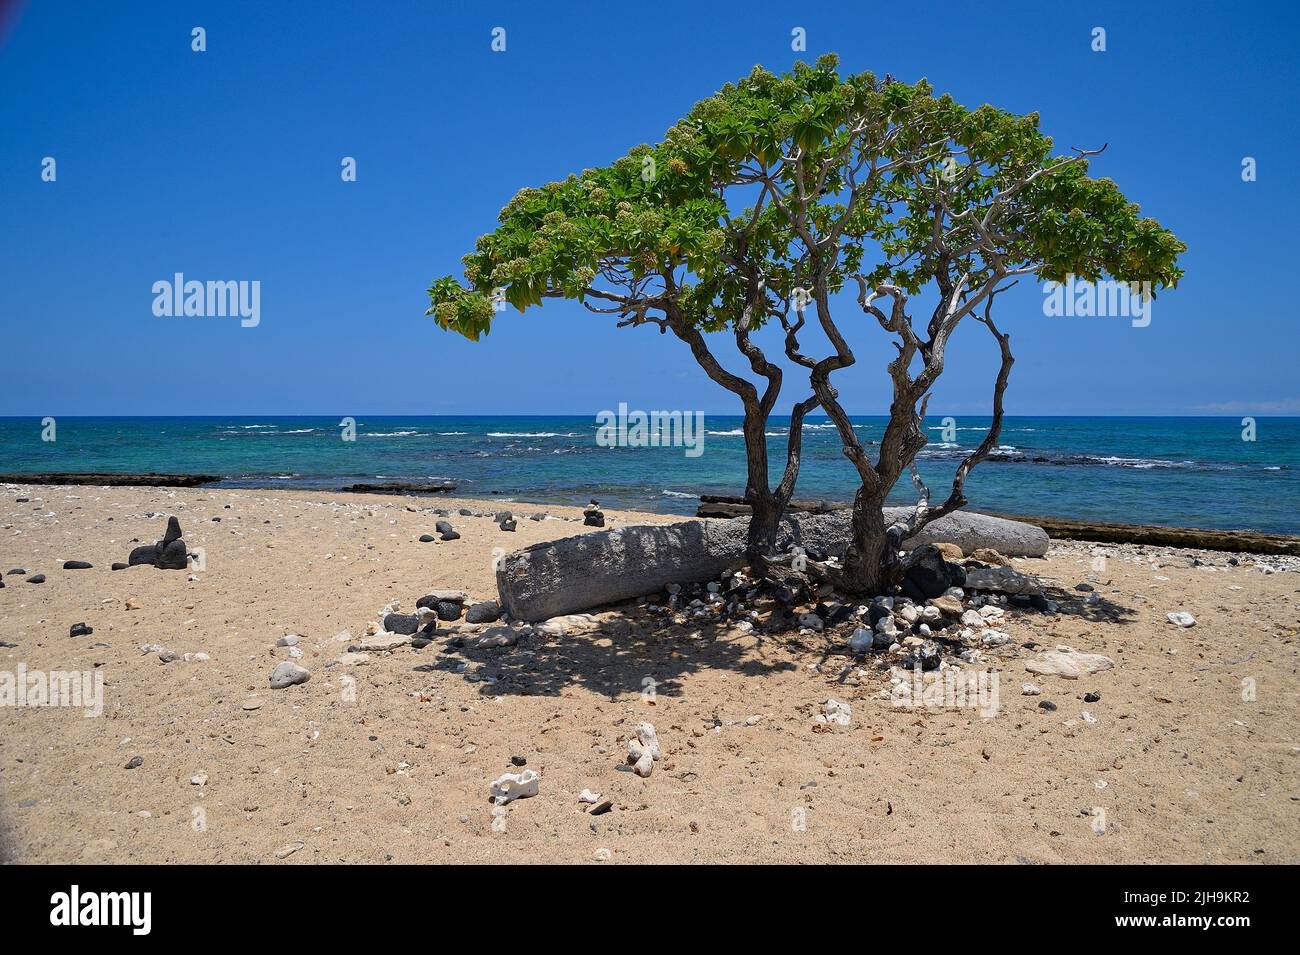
point(288, 674)
point(1046, 705)
point(511, 786)
point(287, 850)
point(80, 630)
point(134, 762)
point(1181, 618)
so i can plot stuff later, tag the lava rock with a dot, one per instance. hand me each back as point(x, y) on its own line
point(76, 565)
point(448, 609)
point(927, 575)
point(445, 529)
point(80, 630)
point(36, 579)
point(118, 565)
point(173, 555)
point(1047, 705)
point(405, 624)
point(144, 554)
point(1091, 697)
point(593, 518)
point(486, 611)
point(173, 531)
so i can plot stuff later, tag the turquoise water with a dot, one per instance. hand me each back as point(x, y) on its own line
point(1194, 472)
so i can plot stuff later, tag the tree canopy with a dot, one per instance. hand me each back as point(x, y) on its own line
point(776, 179)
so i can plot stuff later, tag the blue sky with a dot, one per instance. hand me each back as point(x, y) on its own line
point(225, 165)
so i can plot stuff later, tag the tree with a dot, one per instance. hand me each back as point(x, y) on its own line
point(950, 201)
point(763, 203)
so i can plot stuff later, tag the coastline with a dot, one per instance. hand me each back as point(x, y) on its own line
point(1243, 541)
point(399, 769)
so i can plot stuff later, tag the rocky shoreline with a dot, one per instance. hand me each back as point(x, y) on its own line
point(1197, 538)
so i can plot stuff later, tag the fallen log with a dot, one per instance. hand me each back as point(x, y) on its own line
point(591, 570)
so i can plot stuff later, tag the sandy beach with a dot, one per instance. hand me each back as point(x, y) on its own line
point(1189, 755)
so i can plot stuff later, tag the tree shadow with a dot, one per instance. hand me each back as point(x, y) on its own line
point(632, 653)
point(1074, 603)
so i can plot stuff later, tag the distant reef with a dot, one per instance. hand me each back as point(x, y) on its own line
point(111, 480)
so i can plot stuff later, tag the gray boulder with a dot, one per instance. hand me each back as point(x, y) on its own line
point(1002, 580)
point(486, 611)
point(575, 573)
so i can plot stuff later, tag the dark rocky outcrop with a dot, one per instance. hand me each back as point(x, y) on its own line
point(170, 553)
point(111, 480)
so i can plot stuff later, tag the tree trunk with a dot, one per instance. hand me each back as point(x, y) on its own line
point(871, 560)
point(763, 523)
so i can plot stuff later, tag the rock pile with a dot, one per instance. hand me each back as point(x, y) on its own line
point(170, 553)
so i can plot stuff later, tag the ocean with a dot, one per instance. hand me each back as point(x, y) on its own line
point(1187, 472)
